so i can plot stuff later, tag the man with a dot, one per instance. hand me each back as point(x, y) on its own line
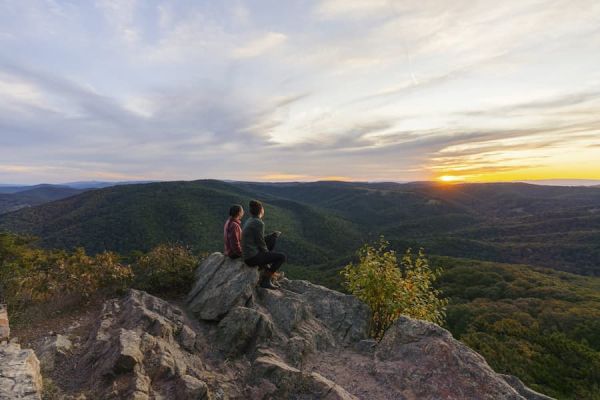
point(257, 250)
point(232, 232)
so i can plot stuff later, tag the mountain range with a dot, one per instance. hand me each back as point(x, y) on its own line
point(324, 222)
point(13, 198)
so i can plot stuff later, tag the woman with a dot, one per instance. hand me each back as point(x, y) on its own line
point(232, 232)
point(257, 250)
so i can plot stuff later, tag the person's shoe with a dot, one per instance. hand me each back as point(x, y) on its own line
point(266, 283)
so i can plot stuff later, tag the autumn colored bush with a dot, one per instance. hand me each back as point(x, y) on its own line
point(166, 268)
point(30, 275)
point(391, 289)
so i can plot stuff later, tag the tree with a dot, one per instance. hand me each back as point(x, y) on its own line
point(391, 290)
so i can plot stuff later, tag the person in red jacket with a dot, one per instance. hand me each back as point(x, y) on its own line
point(232, 232)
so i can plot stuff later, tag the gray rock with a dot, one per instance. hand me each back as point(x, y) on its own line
point(187, 338)
point(221, 284)
point(523, 390)
point(293, 383)
point(422, 360)
point(190, 388)
point(345, 315)
point(366, 345)
point(20, 376)
point(242, 327)
point(53, 348)
point(292, 316)
point(137, 351)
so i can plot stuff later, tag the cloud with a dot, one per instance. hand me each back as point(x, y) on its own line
point(259, 46)
point(351, 8)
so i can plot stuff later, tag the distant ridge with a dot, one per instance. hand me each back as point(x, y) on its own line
point(565, 182)
point(101, 184)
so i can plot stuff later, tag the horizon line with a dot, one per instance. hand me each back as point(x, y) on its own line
point(539, 182)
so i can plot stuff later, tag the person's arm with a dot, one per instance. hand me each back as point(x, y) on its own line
point(237, 240)
point(260, 236)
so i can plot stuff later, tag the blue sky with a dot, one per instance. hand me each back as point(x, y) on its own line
point(299, 90)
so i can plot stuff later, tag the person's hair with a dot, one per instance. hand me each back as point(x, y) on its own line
point(255, 207)
point(235, 210)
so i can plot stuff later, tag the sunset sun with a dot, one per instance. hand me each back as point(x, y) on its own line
point(451, 178)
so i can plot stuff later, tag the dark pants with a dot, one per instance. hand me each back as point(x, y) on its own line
point(269, 260)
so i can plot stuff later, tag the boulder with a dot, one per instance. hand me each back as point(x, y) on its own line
point(291, 383)
point(344, 315)
point(242, 327)
point(221, 284)
point(422, 360)
point(20, 376)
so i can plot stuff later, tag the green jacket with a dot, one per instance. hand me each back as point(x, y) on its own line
point(253, 238)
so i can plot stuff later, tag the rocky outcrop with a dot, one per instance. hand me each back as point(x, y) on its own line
point(422, 360)
point(20, 376)
point(233, 340)
point(289, 382)
point(221, 284)
point(292, 338)
point(144, 348)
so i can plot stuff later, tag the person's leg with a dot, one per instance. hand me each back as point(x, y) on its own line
point(275, 260)
point(256, 261)
point(261, 261)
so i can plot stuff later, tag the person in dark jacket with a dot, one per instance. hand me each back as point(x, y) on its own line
point(257, 250)
point(232, 232)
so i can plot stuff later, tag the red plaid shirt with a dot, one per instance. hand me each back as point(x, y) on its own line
point(232, 234)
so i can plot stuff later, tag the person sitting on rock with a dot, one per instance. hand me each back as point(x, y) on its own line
point(257, 249)
point(232, 232)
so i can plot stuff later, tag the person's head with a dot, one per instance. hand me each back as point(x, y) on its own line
point(256, 209)
point(236, 211)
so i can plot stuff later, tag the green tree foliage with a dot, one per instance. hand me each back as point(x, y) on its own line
point(538, 324)
point(167, 267)
point(391, 290)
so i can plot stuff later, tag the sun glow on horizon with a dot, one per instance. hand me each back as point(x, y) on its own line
point(450, 178)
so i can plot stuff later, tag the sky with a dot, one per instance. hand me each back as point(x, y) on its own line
point(299, 90)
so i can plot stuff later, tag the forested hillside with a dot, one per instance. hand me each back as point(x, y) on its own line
point(15, 198)
point(539, 324)
point(138, 217)
point(556, 227)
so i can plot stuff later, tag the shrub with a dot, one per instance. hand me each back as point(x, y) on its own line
point(166, 268)
point(391, 290)
point(31, 275)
